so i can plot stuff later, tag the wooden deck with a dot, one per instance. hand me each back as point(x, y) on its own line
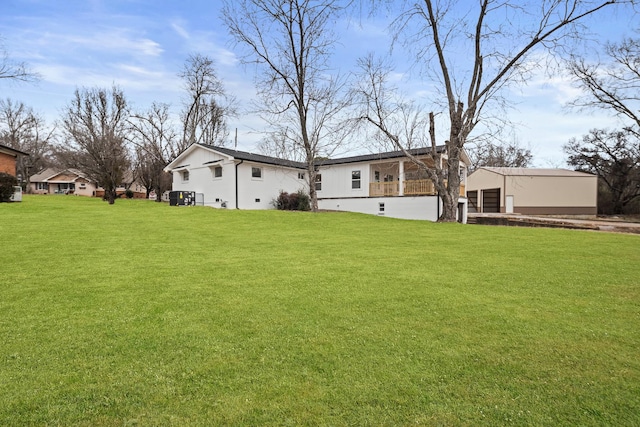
point(421, 187)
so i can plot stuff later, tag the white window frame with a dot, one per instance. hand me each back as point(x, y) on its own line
point(215, 170)
point(318, 182)
point(356, 180)
point(184, 175)
point(253, 170)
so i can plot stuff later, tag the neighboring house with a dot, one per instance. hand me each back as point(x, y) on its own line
point(72, 181)
point(128, 183)
point(532, 191)
point(380, 184)
point(67, 181)
point(8, 157)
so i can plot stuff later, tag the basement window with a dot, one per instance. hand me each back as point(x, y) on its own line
point(381, 208)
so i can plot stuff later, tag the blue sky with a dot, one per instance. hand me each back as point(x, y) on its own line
point(141, 45)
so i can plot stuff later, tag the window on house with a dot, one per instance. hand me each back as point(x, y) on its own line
point(388, 178)
point(217, 172)
point(355, 179)
point(381, 208)
point(42, 186)
point(256, 172)
point(318, 182)
point(185, 176)
point(376, 176)
point(300, 175)
point(257, 200)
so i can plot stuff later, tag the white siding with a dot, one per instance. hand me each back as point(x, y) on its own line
point(424, 207)
point(336, 180)
point(202, 180)
point(253, 193)
point(259, 193)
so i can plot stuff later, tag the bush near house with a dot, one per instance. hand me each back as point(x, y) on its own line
point(139, 314)
point(7, 184)
point(293, 201)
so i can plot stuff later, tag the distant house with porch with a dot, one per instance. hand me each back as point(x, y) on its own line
point(380, 184)
point(72, 181)
point(67, 181)
point(532, 191)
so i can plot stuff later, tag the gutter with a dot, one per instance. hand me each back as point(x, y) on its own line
point(237, 164)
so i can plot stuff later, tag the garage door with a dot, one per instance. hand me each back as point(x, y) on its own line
point(491, 200)
point(472, 197)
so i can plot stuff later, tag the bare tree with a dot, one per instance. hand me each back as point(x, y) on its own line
point(157, 144)
point(614, 85)
point(291, 42)
point(12, 70)
point(24, 130)
point(500, 36)
point(615, 157)
point(207, 106)
point(504, 154)
point(95, 124)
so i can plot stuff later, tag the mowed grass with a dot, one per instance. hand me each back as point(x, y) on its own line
point(145, 314)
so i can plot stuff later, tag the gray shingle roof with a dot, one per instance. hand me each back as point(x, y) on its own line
point(382, 156)
point(251, 157)
point(259, 158)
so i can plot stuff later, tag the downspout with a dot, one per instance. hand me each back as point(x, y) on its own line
point(237, 164)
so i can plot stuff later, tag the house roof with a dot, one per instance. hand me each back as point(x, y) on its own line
point(533, 171)
point(382, 156)
point(12, 151)
point(43, 175)
point(259, 158)
point(50, 173)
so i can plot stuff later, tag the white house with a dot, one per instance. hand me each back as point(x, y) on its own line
point(380, 184)
point(235, 179)
point(386, 184)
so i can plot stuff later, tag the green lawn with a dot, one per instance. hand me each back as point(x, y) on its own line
point(145, 314)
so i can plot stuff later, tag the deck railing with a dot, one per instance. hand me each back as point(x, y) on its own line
point(419, 187)
point(384, 188)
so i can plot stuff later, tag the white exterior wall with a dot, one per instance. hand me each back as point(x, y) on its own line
point(202, 180)
point(223, 189)
point(336, 180)
point(423, 207)
point(259, 193)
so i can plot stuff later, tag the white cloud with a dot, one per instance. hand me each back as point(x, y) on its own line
point(179, 29)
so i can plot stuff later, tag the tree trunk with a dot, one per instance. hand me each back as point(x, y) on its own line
point(313, 195)
point(110, 194)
